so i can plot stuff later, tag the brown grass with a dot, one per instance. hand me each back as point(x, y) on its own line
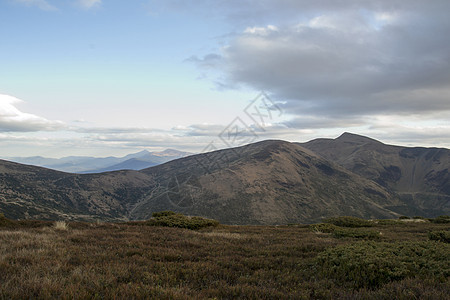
point(134, 261)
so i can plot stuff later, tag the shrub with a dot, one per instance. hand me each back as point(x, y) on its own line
point(441, 220)
point(356, 233)
point(349, 222)
point(323, 228)
point(5, 221)
point(371, 264)
point(163, 214)
point(170, 219)
point(440, 236)
point(403, 218)
point(418, 217)
point(389, 222)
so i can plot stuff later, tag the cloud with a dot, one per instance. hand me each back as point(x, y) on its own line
point(341, 64)
point(87, 4)
point(13, 120)
point(42, 4)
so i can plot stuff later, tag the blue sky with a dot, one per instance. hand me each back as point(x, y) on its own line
point(98, 77)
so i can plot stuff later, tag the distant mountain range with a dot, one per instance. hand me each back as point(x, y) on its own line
point(269, 182)
point(85, 164)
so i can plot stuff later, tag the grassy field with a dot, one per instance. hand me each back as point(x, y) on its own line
point(388, 260)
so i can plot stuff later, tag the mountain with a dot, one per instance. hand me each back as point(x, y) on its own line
point(271, 182)
point(420, 176)
point(40, 193)
point(86, 164)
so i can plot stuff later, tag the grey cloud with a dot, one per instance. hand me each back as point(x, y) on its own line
point(343, 62)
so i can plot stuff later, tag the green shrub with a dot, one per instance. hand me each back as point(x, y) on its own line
point(403, 218)
point(322, 228)
point(357, 233)
point(170, 219)
point(163, 214)
point(441, 236)
point(441, 220)
point(371, 264)
point(419, 217)
point(349, 222)
point(389, 222)
point(5, 221)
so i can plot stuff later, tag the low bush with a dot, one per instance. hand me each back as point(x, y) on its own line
point(171, 219)
point(4, 221)
point(163, 214)
point(343, 232)
point(441, 220)
point(403, 218)
point(323, 228)
point(349, 222)
point(356, 233)
point(441, 236)
point(371, 264)
point(389, 222)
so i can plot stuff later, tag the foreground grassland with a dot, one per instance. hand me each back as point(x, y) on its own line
point(389, 260)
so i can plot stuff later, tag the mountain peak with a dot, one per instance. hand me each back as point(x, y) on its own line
point(352, 137)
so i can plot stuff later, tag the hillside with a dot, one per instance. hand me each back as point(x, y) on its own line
point(39, 193)
point(421, 176)
point(270, 182)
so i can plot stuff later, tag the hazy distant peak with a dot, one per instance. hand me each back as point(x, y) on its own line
point(170, 152)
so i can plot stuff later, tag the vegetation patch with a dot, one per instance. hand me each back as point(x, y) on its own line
point(347, 221)
point(441, 220)
point(323, 228)
point(371, 264)
point(357, 233)
point(440, 236)
point(172, 219)
point(344, 232)
point(4, 222)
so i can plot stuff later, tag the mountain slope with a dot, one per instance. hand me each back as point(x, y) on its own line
point(271, 182)
point(39, 193)
point(421, 176)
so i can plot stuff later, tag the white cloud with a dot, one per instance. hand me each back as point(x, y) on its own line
point(13, 120)
point(42, 4)
point(89, 3)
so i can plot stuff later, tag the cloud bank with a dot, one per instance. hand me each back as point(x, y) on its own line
point(340, 63)
point(13, 120)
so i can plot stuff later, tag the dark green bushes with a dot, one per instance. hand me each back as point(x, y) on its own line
point(343, 232)
point(440, 236)
point(4, 221)
point(371, 264)
point(323, 228)
point(349, 222)
point(357, 233)
point(171, 219)
point(441, 220)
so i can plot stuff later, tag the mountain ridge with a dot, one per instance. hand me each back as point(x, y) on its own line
point(268, 182)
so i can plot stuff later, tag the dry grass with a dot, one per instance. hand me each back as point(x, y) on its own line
point(61, 225)
point(130, 261)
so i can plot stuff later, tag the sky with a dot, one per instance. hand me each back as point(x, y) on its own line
point(111, 77)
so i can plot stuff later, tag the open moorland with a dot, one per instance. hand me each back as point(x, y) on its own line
point(341, 259)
